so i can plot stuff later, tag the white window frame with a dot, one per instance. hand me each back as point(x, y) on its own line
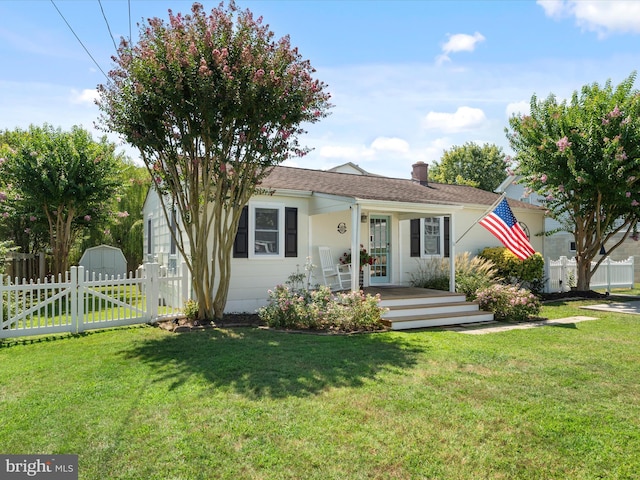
point(423, 254)
point(252, 230)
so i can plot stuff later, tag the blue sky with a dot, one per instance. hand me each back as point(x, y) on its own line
point(409, 79)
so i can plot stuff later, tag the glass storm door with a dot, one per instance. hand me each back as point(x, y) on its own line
point(379, 248)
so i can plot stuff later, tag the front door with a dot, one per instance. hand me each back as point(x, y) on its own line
point(380, 248)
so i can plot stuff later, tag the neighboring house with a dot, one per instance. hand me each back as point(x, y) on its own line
point(563, 243)
point(399, 221)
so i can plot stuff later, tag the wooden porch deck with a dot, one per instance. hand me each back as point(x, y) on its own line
point(397, 291)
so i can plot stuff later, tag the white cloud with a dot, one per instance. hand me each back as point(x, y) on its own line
point(88, 96)
point(465, 118)
point(518, 108)
point(388, 144)
point(597, 16)
point(459, 42)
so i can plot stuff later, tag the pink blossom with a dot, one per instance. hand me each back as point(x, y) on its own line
point(561, 188)
point(580, 179)
point(3, 196)
point(628, 194)
point(605, 121)
point(32, 218)
point(5, 215)
point(615, 112)
point(626, 120)
point(87, 218)
point(27, 231)
point(543, 178)
point(635, 203)
point(124, 214)
point(563, 143)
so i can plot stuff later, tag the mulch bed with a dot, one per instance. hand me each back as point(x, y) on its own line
point(573, 295)
point(182, 324)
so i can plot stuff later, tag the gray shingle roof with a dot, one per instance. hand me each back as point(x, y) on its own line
point(373, 187)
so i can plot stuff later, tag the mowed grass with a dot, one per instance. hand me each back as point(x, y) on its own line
point(141, 403)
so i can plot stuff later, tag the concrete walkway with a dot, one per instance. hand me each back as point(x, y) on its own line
point(495, 327)
point(632, 308)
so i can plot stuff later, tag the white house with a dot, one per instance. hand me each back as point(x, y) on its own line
point(562, 243)
point(397, 220)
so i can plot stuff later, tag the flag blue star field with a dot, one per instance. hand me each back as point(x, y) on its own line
point(503, 224)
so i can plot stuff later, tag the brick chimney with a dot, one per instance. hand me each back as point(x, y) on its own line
point(420, 173)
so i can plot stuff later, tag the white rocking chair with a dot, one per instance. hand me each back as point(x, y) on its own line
point(336, 276)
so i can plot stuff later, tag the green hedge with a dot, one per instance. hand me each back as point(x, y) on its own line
point(529, 272)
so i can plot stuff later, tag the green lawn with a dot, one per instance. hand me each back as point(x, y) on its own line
point(141, 403)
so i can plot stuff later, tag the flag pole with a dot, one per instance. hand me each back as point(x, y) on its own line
point(490, 209)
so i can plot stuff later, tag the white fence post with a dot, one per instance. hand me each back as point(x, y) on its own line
point(73, 299)
point(152, 289)
point(564, 279)
point(185, 283)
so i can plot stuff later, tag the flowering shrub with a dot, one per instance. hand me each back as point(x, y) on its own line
point(508, 302)
point(320, 309)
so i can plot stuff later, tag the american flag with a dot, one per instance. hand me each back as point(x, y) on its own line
point(503, 224)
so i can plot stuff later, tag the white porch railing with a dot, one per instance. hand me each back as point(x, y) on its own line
point(79, 302)
point(561, 274)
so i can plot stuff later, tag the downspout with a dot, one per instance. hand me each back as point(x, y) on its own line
point(452, 255)
point(355, 247)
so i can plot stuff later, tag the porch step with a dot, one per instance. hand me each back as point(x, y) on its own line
point(431, 310)
point(423, 321)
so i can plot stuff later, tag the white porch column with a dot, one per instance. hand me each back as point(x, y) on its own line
point(355, 247)
point(452, 255)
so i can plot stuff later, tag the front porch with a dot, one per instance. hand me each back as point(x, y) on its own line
point(411, 307)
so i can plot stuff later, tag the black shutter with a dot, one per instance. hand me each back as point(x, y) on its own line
point(290, 232)
point(447, 237)
point(414, 237)
point(241, 243)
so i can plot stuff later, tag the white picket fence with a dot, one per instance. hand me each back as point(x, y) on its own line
point(78, 301)
point(561, 274)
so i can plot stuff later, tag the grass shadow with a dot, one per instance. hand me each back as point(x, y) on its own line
point(258, 363)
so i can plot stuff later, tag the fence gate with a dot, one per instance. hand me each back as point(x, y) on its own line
point(562, 274)
point(77, 302)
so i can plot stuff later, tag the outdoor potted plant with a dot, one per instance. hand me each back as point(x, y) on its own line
point(365, 260)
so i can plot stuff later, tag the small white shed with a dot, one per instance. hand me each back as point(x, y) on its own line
point(104, 260)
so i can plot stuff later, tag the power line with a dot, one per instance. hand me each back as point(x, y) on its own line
point(78, 38)
point(108, 26)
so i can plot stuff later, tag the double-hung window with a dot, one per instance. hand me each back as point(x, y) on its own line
point(432, 236)
point(267, 233)
point(267, 230)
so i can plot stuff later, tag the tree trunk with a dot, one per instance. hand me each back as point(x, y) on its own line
point(583, 266)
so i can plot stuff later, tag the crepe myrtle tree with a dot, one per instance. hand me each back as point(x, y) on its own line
point(60, 180)
point(213, 103)
point(583, 156)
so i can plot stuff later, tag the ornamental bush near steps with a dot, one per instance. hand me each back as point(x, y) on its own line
point(320, 309)
point(508, 302)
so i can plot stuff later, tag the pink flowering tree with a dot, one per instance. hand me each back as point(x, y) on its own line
point(213, 103)
point(583, 156)
point(59, 182)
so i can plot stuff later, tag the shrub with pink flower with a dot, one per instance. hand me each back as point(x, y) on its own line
point(508, 302)
point(320, 309)
point(563, 143)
